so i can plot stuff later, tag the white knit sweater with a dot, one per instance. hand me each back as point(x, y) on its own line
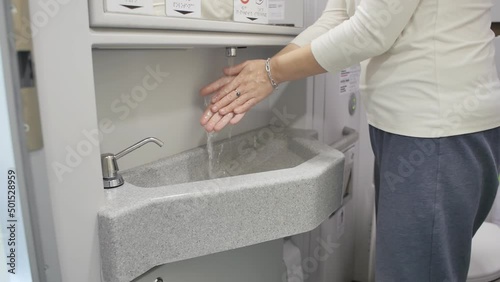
point(427, 65)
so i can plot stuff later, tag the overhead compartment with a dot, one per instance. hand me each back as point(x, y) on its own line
point(241, 16)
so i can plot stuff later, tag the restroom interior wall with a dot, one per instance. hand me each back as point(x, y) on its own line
point(42, 207)
point(171, 112)
point(142, 93)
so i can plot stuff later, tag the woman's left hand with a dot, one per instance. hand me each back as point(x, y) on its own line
point(243, 87)
point(215, 122)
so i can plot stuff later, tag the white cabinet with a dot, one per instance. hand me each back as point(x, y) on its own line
point(140, 24)
point(284, 17)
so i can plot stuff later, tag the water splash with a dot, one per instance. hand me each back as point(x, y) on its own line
point(215, 169)
point(231, 61)
point(210, 147)
point(210, 151)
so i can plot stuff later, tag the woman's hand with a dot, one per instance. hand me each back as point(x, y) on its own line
point(215, 122)
point(247, 84)
point(243, 87)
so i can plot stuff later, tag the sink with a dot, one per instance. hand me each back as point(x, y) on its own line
point(260, 186)
point(244, 154)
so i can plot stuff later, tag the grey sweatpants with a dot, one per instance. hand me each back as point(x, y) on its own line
point(431, 197)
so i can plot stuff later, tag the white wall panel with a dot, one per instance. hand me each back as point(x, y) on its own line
point(171, 111)
point(496, 11)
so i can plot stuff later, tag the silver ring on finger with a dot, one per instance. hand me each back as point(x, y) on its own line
point(238, 93)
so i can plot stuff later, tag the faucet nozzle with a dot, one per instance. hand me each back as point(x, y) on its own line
point(231, 51)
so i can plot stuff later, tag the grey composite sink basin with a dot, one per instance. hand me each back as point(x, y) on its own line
point(244, 154)
point(260, 186)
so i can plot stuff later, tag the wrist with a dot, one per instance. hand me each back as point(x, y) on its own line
point(270, 69)
point(276, 70)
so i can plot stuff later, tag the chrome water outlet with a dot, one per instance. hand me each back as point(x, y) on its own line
point(231, 52)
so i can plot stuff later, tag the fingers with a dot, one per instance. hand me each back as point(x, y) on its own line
point(231, 101)
point(237, 118)
point(210, 125)
point(216, 86)
point(228, 89)
point(223, 122)
point(235, 70)
point(229, 107)
point(207, 115)
point(246, 106)
point(216, 122)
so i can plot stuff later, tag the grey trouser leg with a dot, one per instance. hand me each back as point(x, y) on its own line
point(431, 196)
